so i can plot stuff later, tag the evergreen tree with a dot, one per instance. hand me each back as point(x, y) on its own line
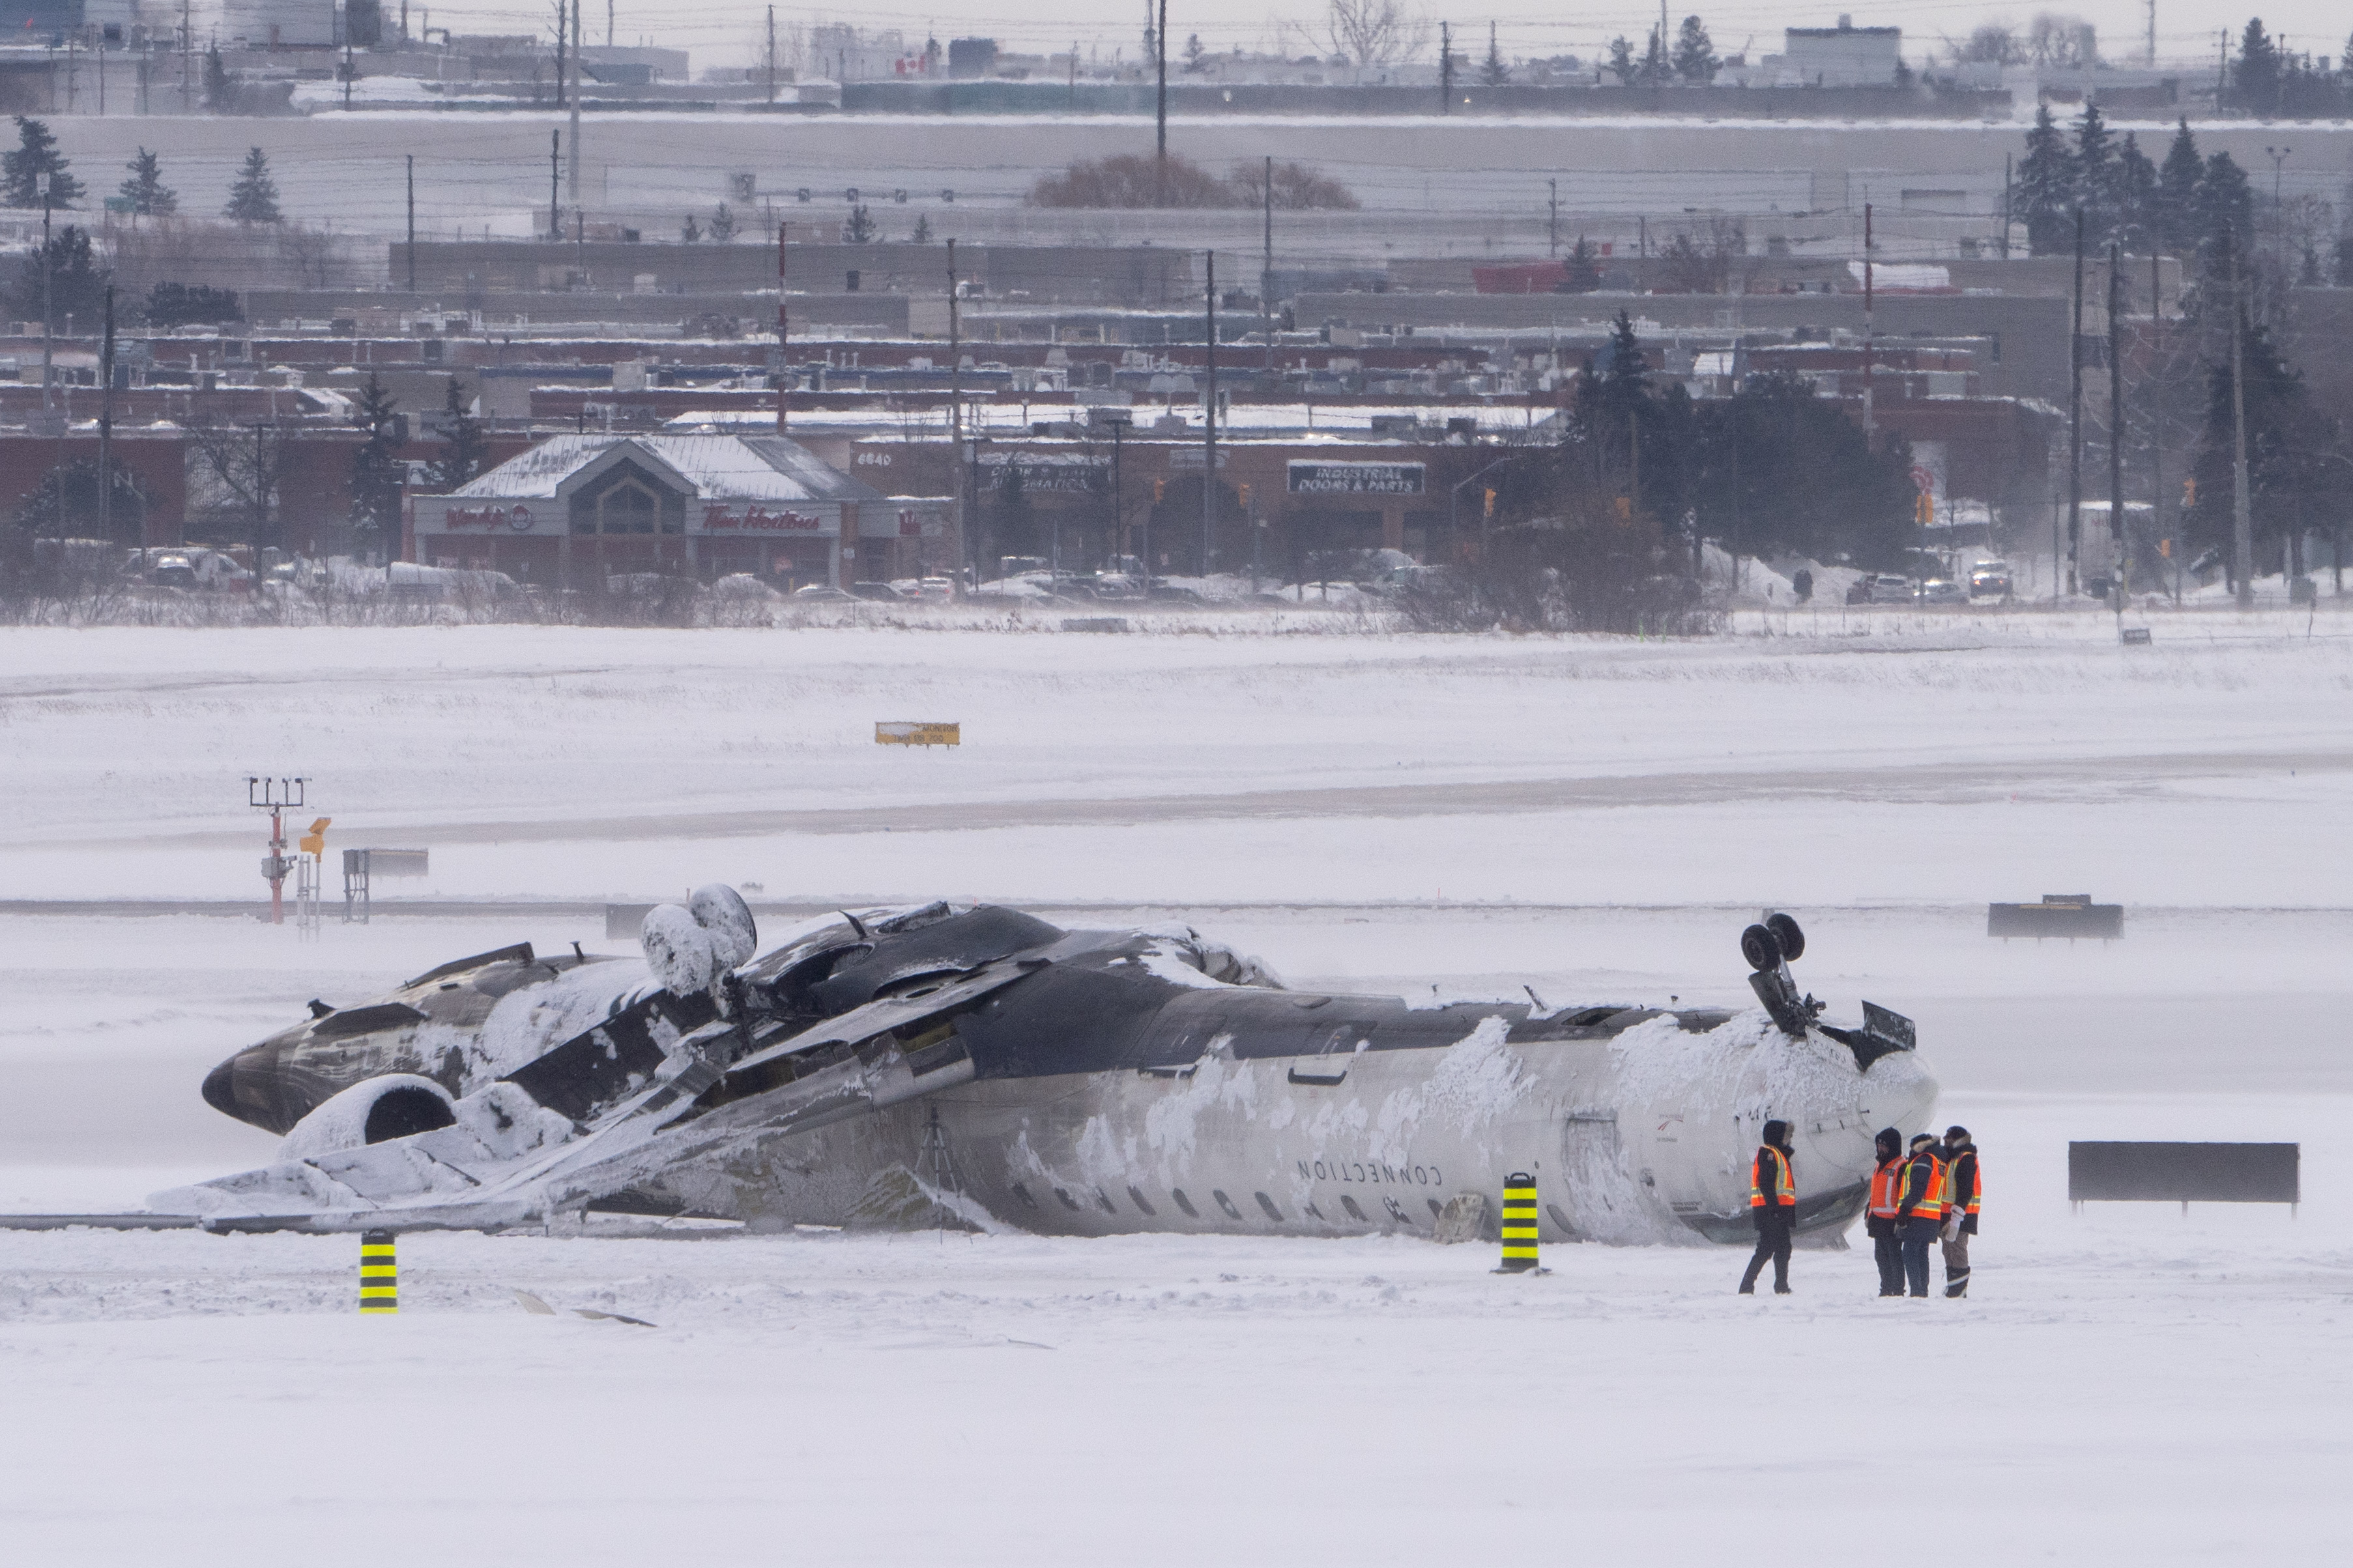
point(1654, 59)
point(1622, 64)
point(2291, 487)
point(860, 229)
point(1785, 470)
point(923, 235)
point(35, 154)
point(185, 304)
point(145, 191)
point(75, 284)
point(2135, 194)
point(1583, 268)
point(464, 452)
point(690, 231)
point(223, 91)
point(2255, 80)
point(254, 197)
point(1493, 72)
point(2045, 194)
point(65, 504)
point(2225, 205)
point(2095, 174)
point(1695, 58)
point(723, 224)
point(2174, 216)
point(1196, 57)
point(378, 475)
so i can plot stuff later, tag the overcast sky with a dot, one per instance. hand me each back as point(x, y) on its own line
point(717, 30)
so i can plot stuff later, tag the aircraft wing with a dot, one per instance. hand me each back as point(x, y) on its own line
point(466, 1176)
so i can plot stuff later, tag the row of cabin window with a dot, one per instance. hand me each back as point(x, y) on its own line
point(1396, 1210)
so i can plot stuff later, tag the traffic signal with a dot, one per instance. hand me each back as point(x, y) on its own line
point(1924, 510)
point(1490, 501)
point(1159, 491)
point(2188, 494)
point(2165, 548)
point(1625, 508)
point(315, 843)
point(1245, 495)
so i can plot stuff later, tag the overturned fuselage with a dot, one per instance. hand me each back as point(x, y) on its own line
point(980, 1064)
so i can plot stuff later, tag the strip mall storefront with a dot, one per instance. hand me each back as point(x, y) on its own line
point(578, 512)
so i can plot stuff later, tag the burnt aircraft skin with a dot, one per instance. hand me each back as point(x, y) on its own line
point(1096, 1082)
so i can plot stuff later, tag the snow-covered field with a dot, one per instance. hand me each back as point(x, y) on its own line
point(1595, 818)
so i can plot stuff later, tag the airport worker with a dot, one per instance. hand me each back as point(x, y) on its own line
point(1879, 1219)
point(1963, 1189)
point(1920, 1208)
point(1773, 1207)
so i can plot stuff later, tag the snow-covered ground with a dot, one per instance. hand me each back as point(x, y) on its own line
point(2129, 1384)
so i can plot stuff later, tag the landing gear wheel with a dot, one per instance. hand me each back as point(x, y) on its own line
point(1760, 947)
point(1785, 932)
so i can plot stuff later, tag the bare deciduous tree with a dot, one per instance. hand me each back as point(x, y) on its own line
point(2065, 43)
point(1370, 33)
point(1989, 43)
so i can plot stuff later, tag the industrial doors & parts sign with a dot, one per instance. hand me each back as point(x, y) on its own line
point(1311, 478)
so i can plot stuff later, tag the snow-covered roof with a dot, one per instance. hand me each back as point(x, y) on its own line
point(710, 468)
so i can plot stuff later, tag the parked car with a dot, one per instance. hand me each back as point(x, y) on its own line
point(1942, 591)
point(1880, 588)
point(824, 592)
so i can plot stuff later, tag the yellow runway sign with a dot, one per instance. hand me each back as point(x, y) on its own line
point(901, 732)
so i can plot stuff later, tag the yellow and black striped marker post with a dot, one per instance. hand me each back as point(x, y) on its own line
point(1519, 1224)
point(379, 1273)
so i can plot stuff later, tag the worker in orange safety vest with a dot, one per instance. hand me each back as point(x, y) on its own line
point(1920, 1209)
point(1879, 1218)
point(1964, 1188)
point(1773, 1207)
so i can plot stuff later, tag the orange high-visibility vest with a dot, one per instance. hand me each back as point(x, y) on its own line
point(1931, 1198)
point(1777, 1189)
point(1887, 1187)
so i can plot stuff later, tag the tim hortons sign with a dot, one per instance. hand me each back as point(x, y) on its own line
point(516, 517)
point(718, 517)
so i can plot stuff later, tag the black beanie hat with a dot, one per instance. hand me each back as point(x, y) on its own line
point(1890, 1140)
point(1920, 1137)
point(1776, 1133)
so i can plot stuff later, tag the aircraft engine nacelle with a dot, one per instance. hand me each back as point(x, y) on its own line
point(394, 1105)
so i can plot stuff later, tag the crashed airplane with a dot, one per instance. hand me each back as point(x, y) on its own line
point(979, 1066)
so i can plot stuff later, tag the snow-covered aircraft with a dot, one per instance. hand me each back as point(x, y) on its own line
point(978, 1065)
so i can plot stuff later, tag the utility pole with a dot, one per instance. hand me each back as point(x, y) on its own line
point(412, 223)
point(2118, 534)
point(1209, 428)
point(554, 183)
point(1868, 339)
point(48, 312)
point(1552, 222)
point(1160, 146)
point(347, 73)
point(967, 542)
point(2076, 416)
point(2151, 58)
point(785, 335)
point(1266, 268)
point(188, 59)
point(2242, 526)
point(106, 428)
point(772, 51)
point(2006, 208)
point(2157, 427)
point(1445, 69)
point(561, 38)
point(576, 110)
